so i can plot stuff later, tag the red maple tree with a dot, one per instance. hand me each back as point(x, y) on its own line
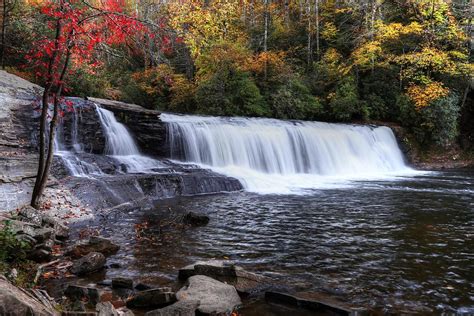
point(75, 29)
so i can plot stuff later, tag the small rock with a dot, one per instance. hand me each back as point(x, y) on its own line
point(194, 219)
point(106, 309)
point(91, 262)
point(105, 283)
point(60, 230)
point(123, 283)
point(123, 311)
point(113, 265)
point(82, 293)
point(78, 306)
point(180, 308)
point(214, 296)
point(93, 244)
point(159, 297)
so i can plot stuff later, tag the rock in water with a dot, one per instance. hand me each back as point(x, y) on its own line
point(214, 296)
point(194, 219)
point(180, 308)
point(94, 244)
point(123, 283)
point(91, 262)
point(14, 301)
point(159, 297)
point(81, 293)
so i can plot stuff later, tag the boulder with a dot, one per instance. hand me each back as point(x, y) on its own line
point(106, 309)
point(245, 282)
point(180, 308)
point(142, 287)
point(17, 302)
point(39, 255)
point(195, 219)
point(93, 244)
point(42, 234)
point(82, 293)
point(91, 262)
point(214, 296)
point(158, 297)
point(123, 283)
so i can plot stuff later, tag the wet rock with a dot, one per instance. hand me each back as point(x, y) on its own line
point(14, 301)
point(214, 296)
point(245, 282)
point(106, 309)
point(142, 287)
point(194, 219)
point(105, 283)
point(123, 311)
point(91, 262)
point(123, 283)
point(93, 244)
point(180, 308)
point(309, 302)
point(82, 293)
point(159, 297)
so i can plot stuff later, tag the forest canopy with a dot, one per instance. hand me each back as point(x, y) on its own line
point(407, 62)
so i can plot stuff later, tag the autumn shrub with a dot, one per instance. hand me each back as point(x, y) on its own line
point(230, 92)
point(294, 101)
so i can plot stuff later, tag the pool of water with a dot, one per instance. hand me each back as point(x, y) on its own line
point(404, 244)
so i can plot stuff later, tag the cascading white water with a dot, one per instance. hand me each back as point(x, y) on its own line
point(276, 156)
point(121, 145)
point(75, 166)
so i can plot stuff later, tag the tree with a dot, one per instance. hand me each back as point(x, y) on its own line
point(74, 30)
point(7, 7)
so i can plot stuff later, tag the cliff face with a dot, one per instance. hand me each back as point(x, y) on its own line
point(18, 129)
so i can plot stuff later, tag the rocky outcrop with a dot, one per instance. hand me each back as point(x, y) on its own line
point(17, 302)
point(180, 308)
point(148, 130)
point(215, 297)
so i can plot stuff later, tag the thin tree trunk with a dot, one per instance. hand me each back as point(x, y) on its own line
point(316, 11)
point(52, 133)
point(265, 36)
point(4, 25)
point(309, 44)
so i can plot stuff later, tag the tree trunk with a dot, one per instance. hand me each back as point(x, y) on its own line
point(309, 44)
point(4, 25)
point(265, 36)
point(316, 13)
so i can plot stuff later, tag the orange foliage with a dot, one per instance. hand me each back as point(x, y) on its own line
point(424, 95)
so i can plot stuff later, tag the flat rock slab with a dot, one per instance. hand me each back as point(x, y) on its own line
point(214, 296)
point(312, 302)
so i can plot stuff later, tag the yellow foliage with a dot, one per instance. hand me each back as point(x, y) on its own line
point(424, 95)
point(329, 31)
point(366, 54)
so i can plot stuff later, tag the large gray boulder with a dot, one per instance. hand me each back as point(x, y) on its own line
point(91, 262)
point(245, 282)
point(17, 302)
point(214, 296)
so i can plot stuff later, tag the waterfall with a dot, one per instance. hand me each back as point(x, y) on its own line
point(121, 145)
point(275, 156)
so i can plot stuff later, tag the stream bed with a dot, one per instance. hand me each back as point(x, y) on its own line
point(400, 245)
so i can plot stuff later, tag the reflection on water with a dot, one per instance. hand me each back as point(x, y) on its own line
point(398, 245)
